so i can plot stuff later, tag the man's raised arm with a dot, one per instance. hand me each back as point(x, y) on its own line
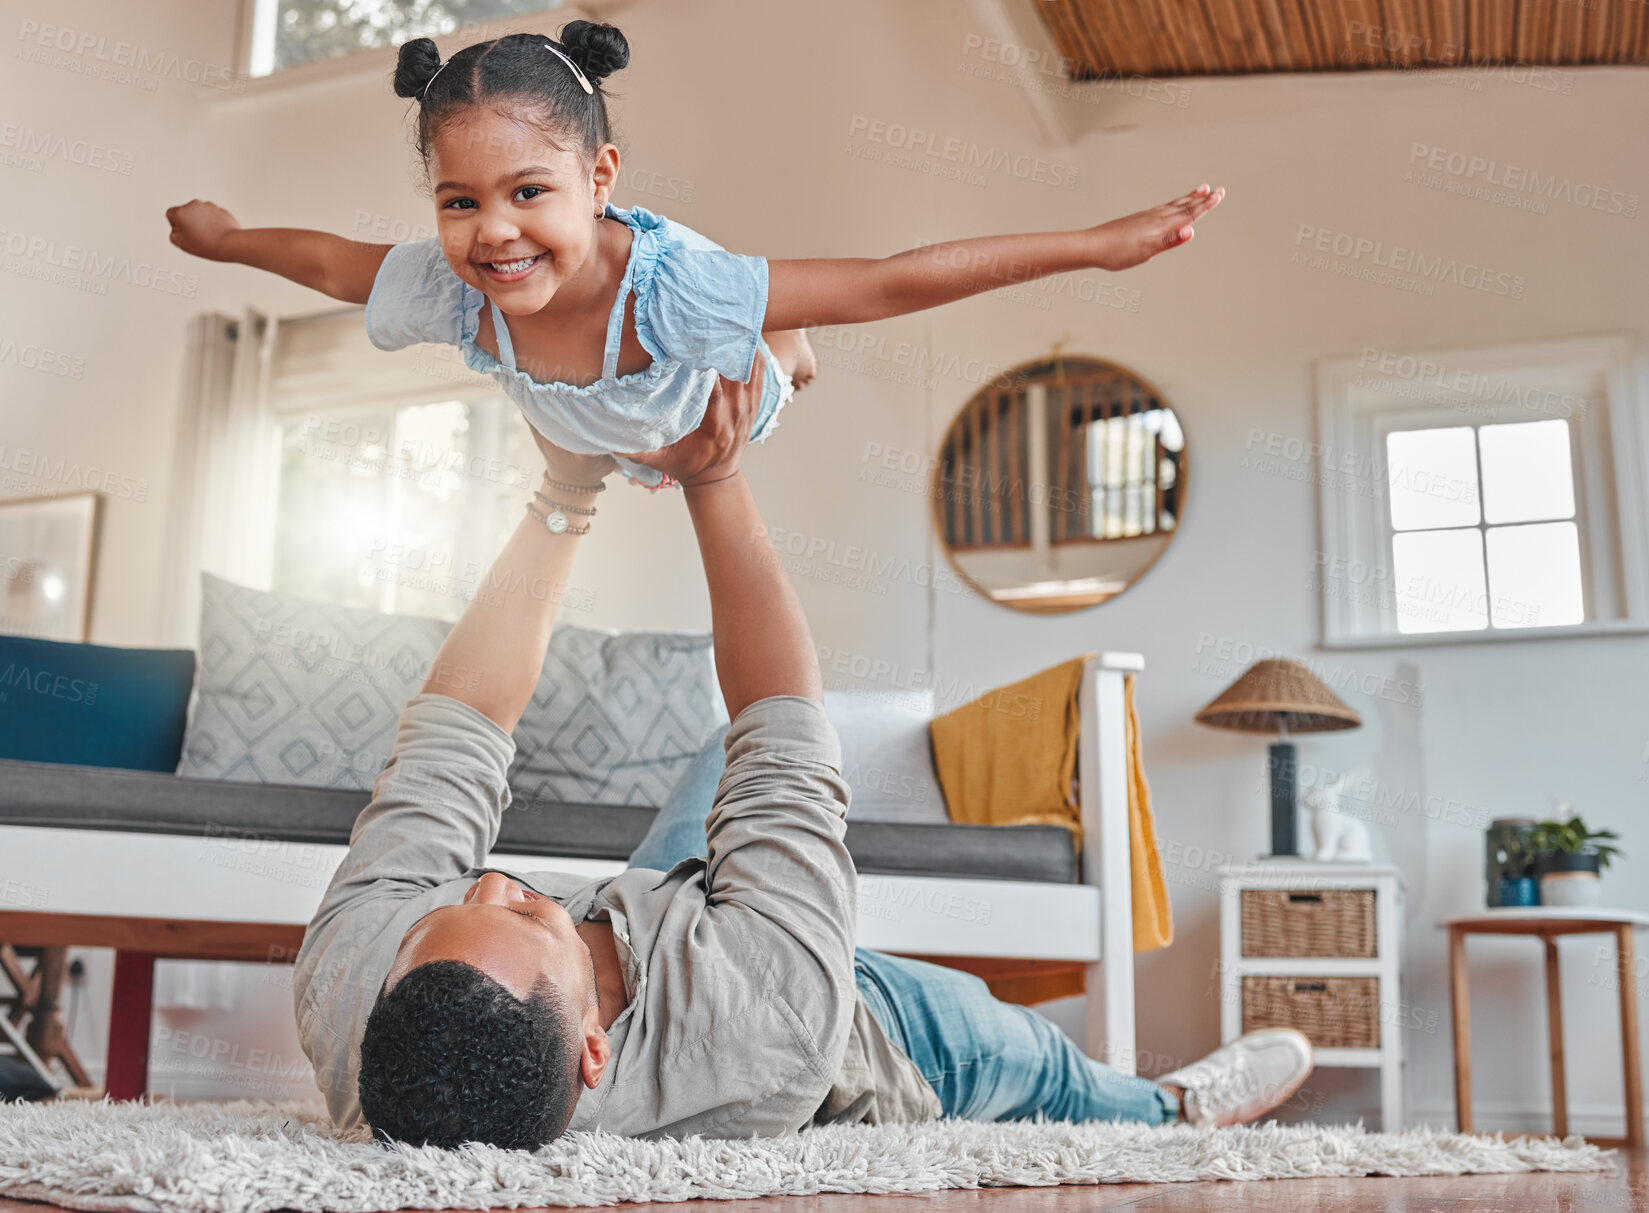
point(763, 644)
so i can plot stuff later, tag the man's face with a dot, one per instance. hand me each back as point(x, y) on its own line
point(513, 935)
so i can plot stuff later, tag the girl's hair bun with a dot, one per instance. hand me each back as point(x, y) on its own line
point(599, 50)
point(417, 64)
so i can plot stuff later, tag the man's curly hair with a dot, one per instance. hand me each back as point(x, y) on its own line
point(450, 1056)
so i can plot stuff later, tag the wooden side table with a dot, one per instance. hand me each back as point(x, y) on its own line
point(1549, 924)
point(1317, 946)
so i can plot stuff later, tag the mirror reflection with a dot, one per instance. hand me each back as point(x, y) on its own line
point(1060, 483)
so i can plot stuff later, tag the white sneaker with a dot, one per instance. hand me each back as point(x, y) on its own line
point(1243, 1080)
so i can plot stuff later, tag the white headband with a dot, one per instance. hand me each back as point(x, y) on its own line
point(582, 78)
point(431, 81)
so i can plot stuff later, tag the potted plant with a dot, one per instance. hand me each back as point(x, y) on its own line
point(1569, 859)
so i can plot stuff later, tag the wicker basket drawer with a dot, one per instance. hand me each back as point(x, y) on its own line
point(1328, 922)
point(1335, 1012)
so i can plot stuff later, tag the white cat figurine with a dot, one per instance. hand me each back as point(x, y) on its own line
point(1338, 835)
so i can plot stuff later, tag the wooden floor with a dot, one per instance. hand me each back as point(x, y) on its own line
point(1626, 1191)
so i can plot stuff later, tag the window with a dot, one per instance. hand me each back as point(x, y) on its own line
point(1484, 531)
point(1480, 494)
point(286, 33)
point(401, 475)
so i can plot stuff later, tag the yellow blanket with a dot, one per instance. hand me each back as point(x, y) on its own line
point(1009, 758)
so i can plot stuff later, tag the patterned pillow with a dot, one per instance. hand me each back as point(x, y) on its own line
point(298, 692)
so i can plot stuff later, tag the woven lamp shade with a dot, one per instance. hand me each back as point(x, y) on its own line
point(1279, 693)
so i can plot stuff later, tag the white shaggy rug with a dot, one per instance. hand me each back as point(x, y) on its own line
point(255, 1157)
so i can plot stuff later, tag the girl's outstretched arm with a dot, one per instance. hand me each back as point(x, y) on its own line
point(801, 294)
point(343, 269)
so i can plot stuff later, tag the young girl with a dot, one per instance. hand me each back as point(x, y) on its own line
point(609, 326)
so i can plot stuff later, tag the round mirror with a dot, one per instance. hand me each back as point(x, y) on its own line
point(1059, 484)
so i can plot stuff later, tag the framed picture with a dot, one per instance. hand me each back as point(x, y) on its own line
point(48, 554)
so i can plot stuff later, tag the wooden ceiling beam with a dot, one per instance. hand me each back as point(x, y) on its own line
point(1233, 37)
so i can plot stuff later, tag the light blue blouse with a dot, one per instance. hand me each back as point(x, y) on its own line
point(699, 312)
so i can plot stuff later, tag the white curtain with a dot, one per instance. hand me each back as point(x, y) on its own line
point(226, 469)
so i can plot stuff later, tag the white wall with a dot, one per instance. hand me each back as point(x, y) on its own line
point(772, 113)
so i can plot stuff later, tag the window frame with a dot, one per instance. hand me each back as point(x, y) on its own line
point(1358, 404)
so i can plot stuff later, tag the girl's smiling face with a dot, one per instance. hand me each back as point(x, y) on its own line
point(516, 213)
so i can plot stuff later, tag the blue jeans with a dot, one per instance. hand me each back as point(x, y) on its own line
point(986, 1059)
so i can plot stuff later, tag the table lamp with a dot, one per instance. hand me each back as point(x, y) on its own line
point(1282, 696)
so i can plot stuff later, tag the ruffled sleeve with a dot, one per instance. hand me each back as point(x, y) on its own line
point(416, 297)
point(696, 303)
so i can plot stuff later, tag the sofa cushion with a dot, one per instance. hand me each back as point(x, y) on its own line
point(887, 756)
point(616, 718)
point(67, 797)
point(93, 705)
point(304, 693)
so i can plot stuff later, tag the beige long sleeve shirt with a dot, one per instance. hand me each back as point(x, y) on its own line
point(744, 1015)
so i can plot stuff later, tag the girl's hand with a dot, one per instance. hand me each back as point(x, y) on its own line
point(199, 227)
point(1127, 242)
point(713, 451)
point(569, 468)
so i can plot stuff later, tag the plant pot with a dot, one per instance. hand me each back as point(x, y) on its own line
point(1568, 861)
point(1571, 889)
point(1518, 891)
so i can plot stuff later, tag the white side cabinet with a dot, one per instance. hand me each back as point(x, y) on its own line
point(1315, 946)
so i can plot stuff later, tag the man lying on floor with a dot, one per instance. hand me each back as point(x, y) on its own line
point(443, 1002)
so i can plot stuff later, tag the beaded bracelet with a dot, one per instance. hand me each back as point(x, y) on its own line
point(599, 487)
point(568, 509)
